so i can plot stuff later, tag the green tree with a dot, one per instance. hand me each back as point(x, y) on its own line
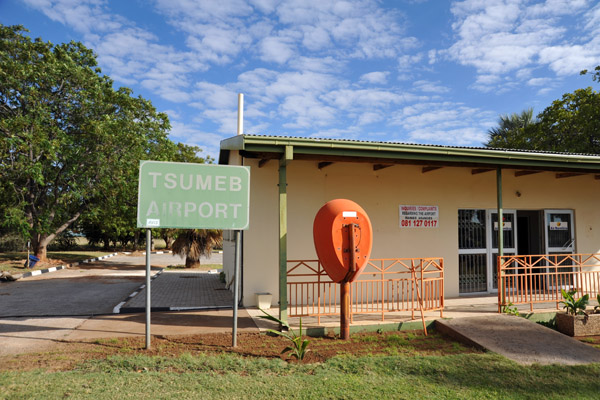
point(194, 243)
point(510, 130)
point(69, 138)
point(570, 124)
point(595, 74)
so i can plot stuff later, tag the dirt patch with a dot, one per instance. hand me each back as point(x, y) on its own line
point(66, 355)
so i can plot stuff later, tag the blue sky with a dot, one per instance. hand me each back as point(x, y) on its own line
point(416, 71)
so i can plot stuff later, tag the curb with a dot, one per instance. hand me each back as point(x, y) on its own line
point(53, 269)
point(156, 252)
point(117, 308)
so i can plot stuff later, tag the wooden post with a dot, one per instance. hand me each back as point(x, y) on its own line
point(345, 285)
point(345, 310)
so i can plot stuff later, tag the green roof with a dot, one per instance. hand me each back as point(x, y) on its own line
point(337, 150)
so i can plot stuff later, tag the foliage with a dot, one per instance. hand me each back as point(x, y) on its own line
point(64, 241)
point(69, 138)
point(510, 309)
point(509, 132)
point(597, 308)
point(195, 243)
point(11, 241)
point(595, 74)
point(572, 306)
point(548, 324)
point(570, 124)
point(71, 143)
point(298, 346)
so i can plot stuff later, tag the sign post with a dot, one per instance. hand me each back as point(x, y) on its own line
point(148, 293)
point(192, 196)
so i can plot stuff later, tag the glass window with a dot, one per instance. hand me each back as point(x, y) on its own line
point(471, 229)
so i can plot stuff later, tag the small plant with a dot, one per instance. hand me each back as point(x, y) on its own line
point(298, 346)
point(572, 306)
point(597, 308)
point(510, 309)
point(548, 324)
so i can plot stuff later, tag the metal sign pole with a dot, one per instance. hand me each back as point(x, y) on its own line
point(236, 284)
point(148, 306)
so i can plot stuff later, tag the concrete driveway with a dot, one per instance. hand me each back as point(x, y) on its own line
point(37, 311)
point(88, 289)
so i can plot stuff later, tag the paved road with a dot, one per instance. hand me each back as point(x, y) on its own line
point(37, 311)
point(88, 289)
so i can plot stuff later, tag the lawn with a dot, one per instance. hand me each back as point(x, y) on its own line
point(396, 366)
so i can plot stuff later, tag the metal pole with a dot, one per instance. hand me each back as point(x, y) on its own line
point(500, 230)
point(148, 305)
point(283, 311)
point(236, 284)
point(240, 120)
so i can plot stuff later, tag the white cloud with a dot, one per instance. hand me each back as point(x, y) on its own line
point(316, 38)
point(407, 62)
point(375, 77)
point(444, 123)
point(191, 135)
point(82, 15)
point(306, 112)
point(276, 49)
point(501, 37)
point(365, 99)
point(430, 87)
point(568, 60)
point(539, 81)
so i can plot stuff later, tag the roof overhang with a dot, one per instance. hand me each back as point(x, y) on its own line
point(385, 153)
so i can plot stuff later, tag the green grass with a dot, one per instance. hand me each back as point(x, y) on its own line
point(11, 260)
point(465, 376)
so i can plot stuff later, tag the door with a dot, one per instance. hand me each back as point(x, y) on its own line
point(478, 248)
point(560, 239)
point(472, 251)
point(509, 229)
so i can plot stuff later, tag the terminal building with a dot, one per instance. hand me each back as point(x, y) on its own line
point(425, 202)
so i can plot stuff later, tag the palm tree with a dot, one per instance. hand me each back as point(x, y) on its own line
point(194, 243)
point(508, 133)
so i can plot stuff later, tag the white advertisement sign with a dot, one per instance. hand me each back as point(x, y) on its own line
point(559, 226)
point(419, 216)
point(506, 226)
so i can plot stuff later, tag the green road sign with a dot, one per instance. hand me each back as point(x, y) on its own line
point(182, 195)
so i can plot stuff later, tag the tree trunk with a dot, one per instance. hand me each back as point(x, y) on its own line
point(136, 240)
point(192, 263)
point(40, 242)
point(168, 241)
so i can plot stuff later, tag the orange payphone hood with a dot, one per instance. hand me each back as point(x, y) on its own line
point(339, 225)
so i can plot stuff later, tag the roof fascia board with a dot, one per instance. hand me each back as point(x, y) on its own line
point(392, 151)
point(234, 143)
